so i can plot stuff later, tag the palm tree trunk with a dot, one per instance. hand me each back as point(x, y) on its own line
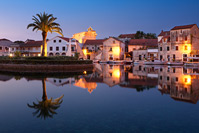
point(44, 48)
point(44, 97)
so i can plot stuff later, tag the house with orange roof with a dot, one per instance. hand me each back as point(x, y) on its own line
point(181, 43)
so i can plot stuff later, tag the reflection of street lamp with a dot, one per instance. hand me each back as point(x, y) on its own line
point(46, 107)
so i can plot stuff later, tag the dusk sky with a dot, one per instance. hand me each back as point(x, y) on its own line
point(107, 17)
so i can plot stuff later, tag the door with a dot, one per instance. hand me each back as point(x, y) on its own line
point(184, 57)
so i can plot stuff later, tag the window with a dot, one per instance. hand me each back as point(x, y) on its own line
point(160, 69)
point(168, 87)
point(176, 39)
point(174, 70)
point(160, 77)
point(176, 48)
point(113, 42)
point(168, 48)
point(13, 49)
point(0, 48)
point(6, 48)
point(63, 48)
point(167, 78)
point(54, 41)
point(176, 79)
point(164, 39)
point(110, 49)
point(185, 80)
point(110, 74)
point(59, 41)
point(160, 48)
point(57, 48)
point(73, 48)
point(185, 38)
point(185, 48)
point(51, 48)
point(92, 47)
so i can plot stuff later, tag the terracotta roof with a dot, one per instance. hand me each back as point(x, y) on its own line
point(113, 38)
point(94, 42)
point(32, 44)
point(64, 38)
point(165, 37)
point(67, 39)
point(183, 27)
point(164, 33)
point(144, 42)
point(127, 36)
point(4, 39)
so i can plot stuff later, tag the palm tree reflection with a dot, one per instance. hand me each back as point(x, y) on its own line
point(46, 108)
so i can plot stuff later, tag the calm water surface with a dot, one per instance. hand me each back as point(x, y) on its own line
point(110, 99)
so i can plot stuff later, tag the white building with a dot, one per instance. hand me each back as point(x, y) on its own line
point(4, 46)
point(62, 46)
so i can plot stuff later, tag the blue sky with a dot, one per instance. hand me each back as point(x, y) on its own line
point(107, 17)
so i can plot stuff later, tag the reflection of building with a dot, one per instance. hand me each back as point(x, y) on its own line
point(178, 84)
point(82, 83)
point(112, 74)
point(140, 77)
point(61, 82)
point(5, 77)
point(87, 35)
point(180, 43)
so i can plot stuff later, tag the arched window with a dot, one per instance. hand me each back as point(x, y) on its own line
point(57, 54)
point(63, 54)
point(50, 54)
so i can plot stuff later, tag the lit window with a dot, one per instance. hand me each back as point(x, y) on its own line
point(185, 38)
point(110, 49)
point(185, 48)
point(176, 48)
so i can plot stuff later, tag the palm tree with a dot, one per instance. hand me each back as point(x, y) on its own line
point(46, 108)
point(45, 23)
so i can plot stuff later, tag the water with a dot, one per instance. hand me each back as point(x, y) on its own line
point(110, 99)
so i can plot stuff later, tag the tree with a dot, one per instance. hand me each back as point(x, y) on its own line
point(19, 42)
point(45, 23)
point(139, 35)
point(46, 108)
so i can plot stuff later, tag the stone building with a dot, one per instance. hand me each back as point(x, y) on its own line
point(113, 49)
point(181, 43)
point(178, 84)
point(90, 34)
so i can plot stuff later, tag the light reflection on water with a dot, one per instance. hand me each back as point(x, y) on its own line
point(105, 100)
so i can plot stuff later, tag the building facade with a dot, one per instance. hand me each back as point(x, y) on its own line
point(181, 43)
point(4, 47)
point(90, 34)
point(61, 46)
point(113, 49)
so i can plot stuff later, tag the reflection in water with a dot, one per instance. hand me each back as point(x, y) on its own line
point(46, 108)
point(180, 83)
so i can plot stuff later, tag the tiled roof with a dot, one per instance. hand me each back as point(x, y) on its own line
point(183, 27)
point(68, 39)
point(165, 37)
point(144, 42)
point(64, 38)
point(32, 44)
point(127, 36)
point(94, 42)
point(164, 33)
point(4, 39)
